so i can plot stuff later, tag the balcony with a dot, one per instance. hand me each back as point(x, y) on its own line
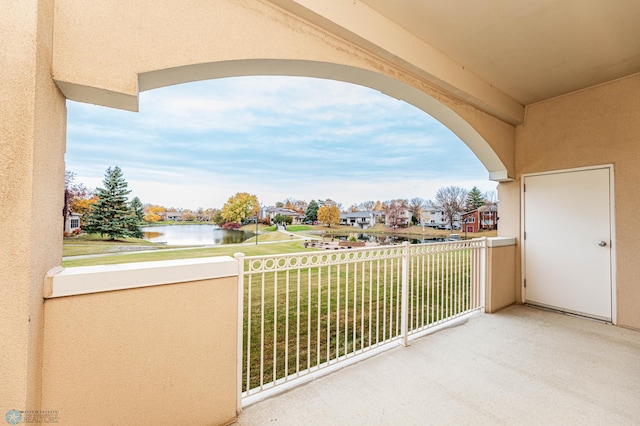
point(177, 341)
point(519, 366)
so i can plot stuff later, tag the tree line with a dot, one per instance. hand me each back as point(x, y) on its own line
point(108, 212)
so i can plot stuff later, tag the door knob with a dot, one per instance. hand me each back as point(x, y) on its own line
point(602, 244)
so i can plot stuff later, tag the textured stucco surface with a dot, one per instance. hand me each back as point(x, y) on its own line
point(501, 276)
point(162, 355)
point(592, 127)
point(32, 141)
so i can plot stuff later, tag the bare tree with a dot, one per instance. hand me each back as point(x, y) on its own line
point(415, 206)
point(490, 198)
point(369, 205)
point(451, 200)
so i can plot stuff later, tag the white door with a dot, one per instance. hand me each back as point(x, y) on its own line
point(567, 241)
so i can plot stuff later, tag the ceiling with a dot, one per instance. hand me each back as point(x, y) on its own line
point(530, 49)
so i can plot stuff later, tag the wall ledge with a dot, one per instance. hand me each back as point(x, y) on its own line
point(501, 241)
point(60, 282)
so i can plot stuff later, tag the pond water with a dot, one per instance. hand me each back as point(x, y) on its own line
point(193, 235)
point(387, 238)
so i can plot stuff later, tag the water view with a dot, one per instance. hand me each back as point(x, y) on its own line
point(187, 235)
point(387, 238)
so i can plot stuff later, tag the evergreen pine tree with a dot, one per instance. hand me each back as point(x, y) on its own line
point(137, 210)
point(474, 199)
point(111, 216)
point(311, 215)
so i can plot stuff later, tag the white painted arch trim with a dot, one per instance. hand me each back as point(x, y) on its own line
point(60, 282)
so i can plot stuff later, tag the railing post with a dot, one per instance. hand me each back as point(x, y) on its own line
point(404, 307)
point(483, 273)
point(240, 259)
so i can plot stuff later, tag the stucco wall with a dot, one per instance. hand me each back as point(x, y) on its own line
point(145, 356)
point(597, 126)
point(501, 276)
point(32, 143)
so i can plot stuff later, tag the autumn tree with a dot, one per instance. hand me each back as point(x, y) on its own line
point(329, 203)
point(396, 212)
point(153, 213)
point(329, 214)
point(77, 198)
point(240, 207)
point(451, 201)
point(354, 208)
point(299, 206)
point(112, 215)
point(311, 214)
point(378, 206)
point(474, 199)
point(210, 213)
point(83, 206)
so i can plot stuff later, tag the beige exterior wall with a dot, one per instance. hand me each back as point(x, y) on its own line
point(32, 143)
point(509, 224)
point(597, 126)
point(501, 276)
point(161, 355)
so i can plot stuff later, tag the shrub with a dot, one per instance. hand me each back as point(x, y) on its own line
point(231, 225)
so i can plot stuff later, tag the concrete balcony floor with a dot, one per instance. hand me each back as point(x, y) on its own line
point(519, 366)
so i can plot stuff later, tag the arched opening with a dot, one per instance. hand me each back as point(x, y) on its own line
point(274, 130)
point(218, 137)
point(395, 88)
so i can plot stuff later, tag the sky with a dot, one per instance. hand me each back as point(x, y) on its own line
point(197, 144)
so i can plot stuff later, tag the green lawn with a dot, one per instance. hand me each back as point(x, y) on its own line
point(229, 250)
point(337, 310)
point(95, 244)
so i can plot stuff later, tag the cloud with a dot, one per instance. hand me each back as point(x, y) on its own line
point(196, 144)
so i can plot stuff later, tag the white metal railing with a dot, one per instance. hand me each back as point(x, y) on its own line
point(305, 313)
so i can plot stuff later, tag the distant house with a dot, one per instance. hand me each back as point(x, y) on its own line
point(484, 218)
point(361, 219)
point(72, 223)
point(296, 218)
point(398, 217)
point(175, 216)
point(434, 217)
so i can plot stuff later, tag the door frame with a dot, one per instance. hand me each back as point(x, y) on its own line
point(612, 225)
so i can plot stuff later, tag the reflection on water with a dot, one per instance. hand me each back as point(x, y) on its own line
point(193, 235)
point(386, 238)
